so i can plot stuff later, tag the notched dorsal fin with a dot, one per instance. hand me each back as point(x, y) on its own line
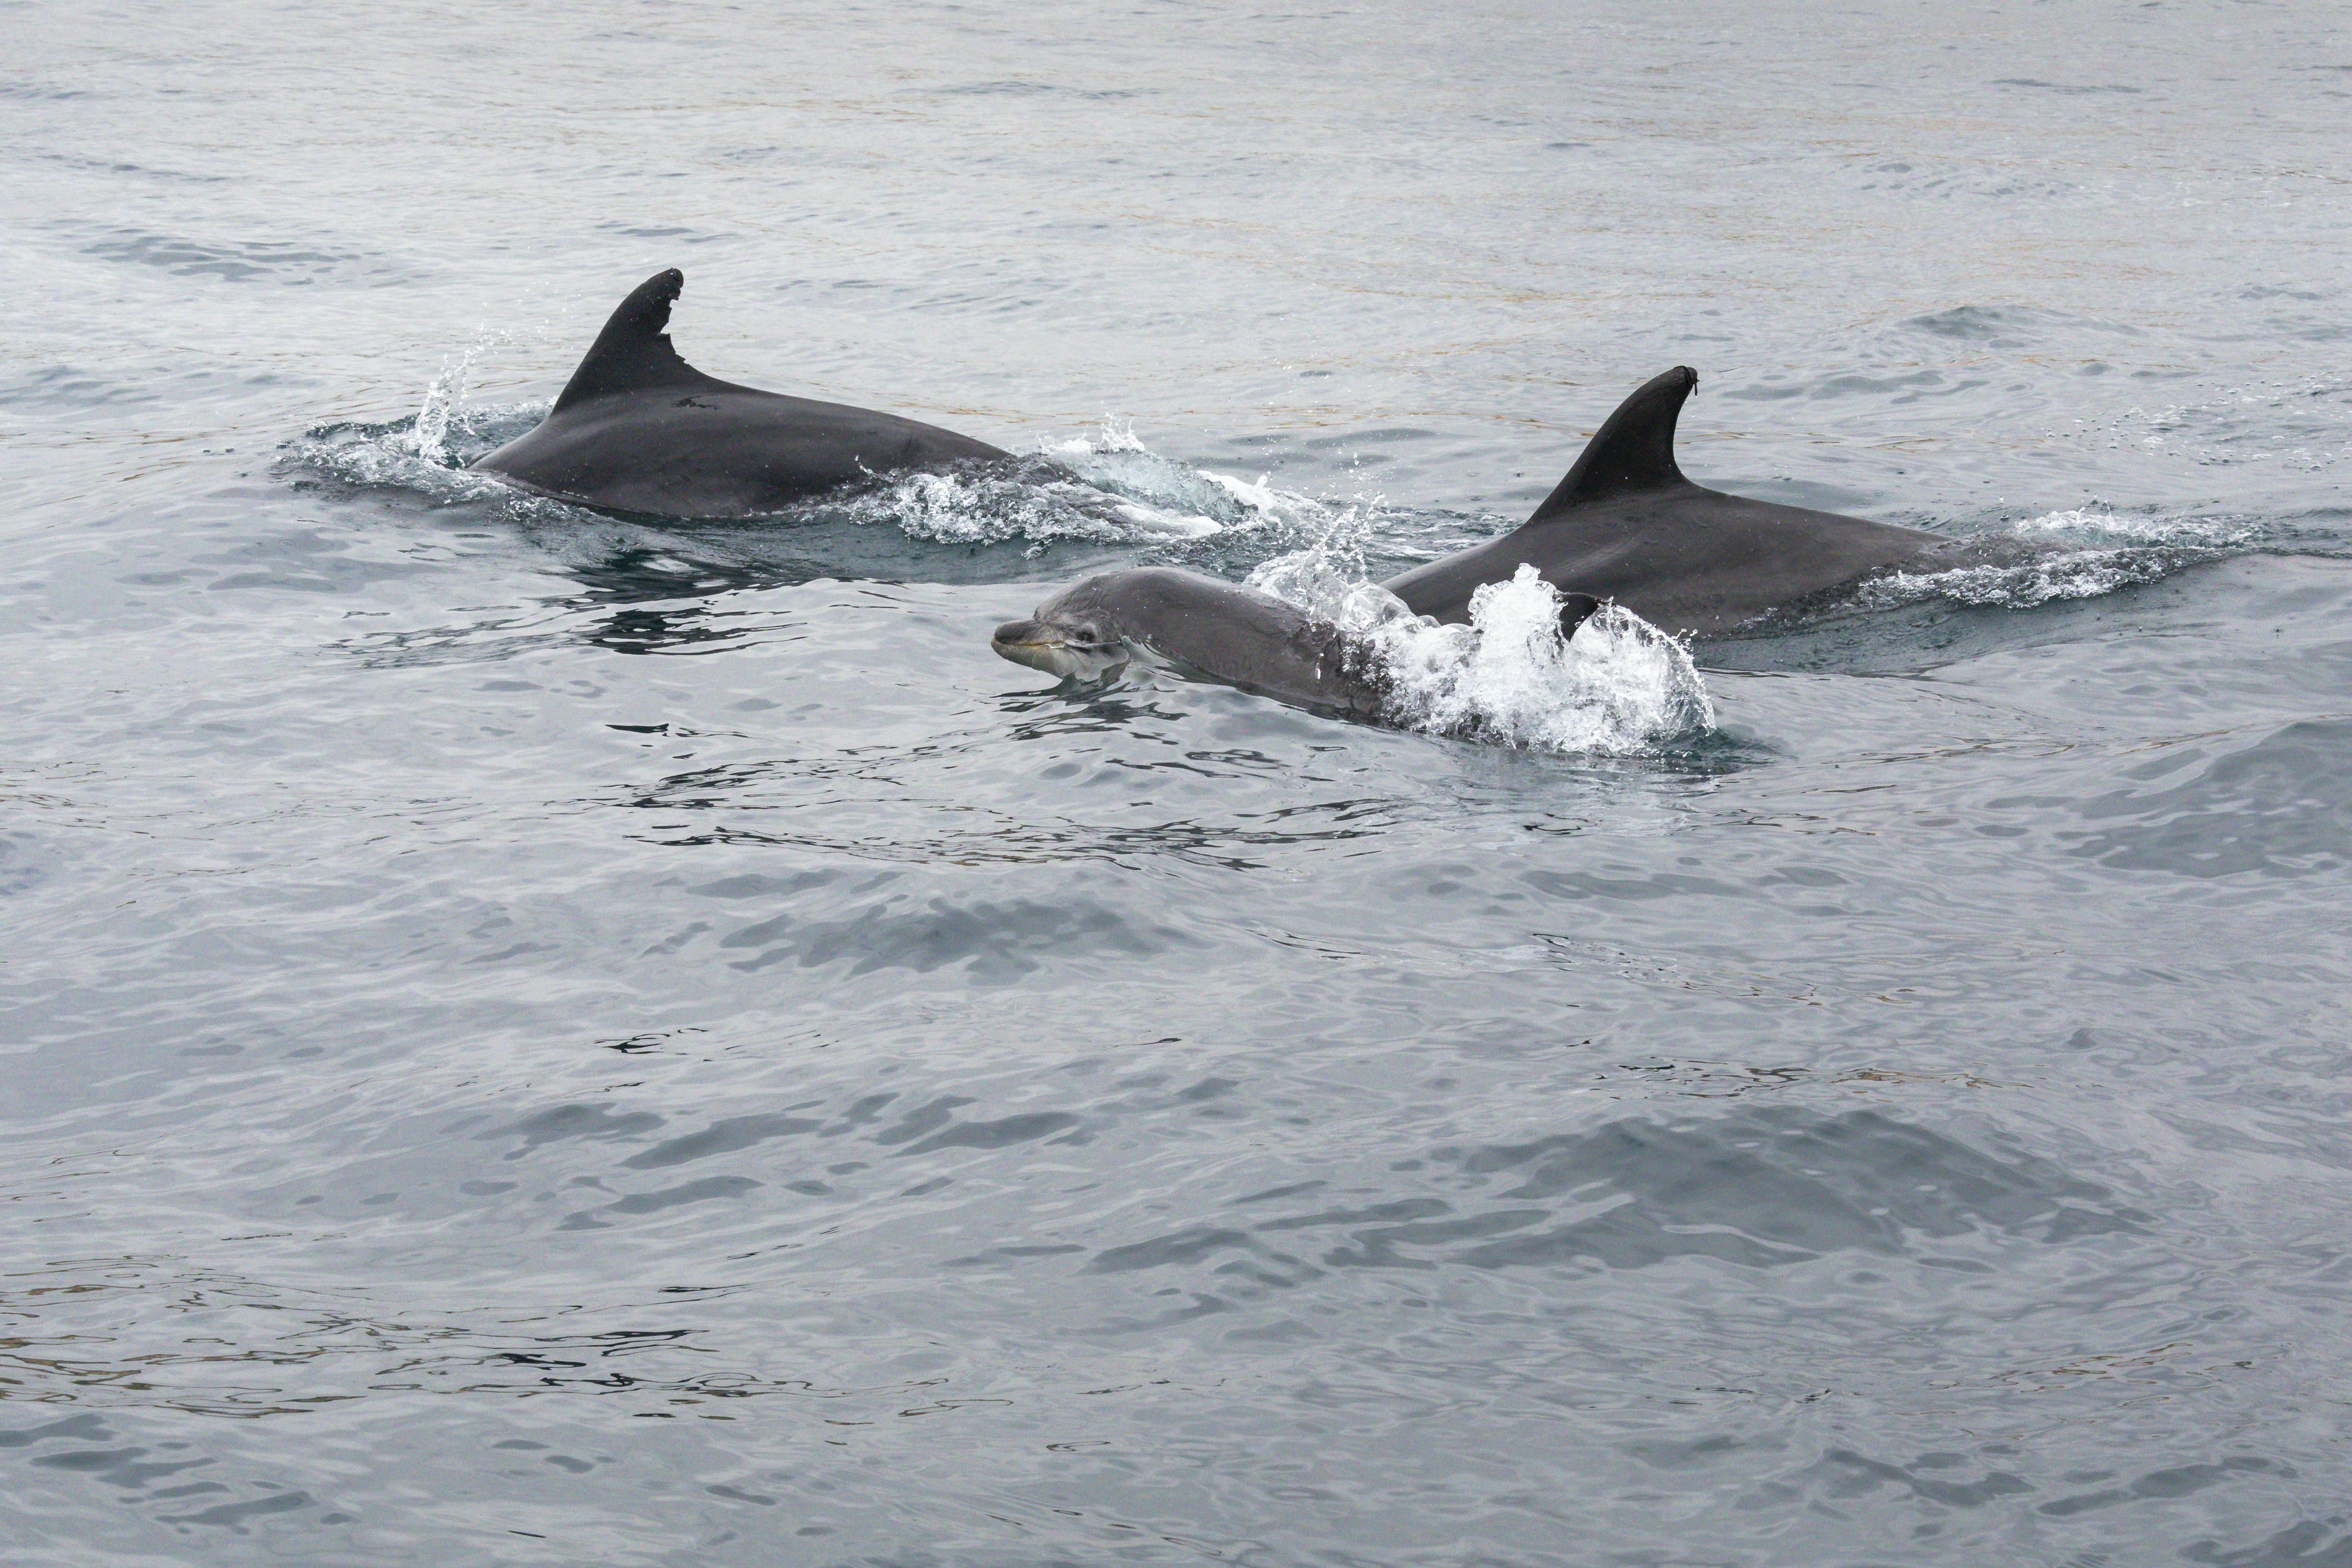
point(1632, 450)
point(633, 352)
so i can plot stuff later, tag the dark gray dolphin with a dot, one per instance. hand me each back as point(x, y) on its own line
point(1626, 525)
point(1215, 628)
point(639, 429)
point(1223, 630)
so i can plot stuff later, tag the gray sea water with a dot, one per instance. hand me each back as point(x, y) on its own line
point(534, 1038)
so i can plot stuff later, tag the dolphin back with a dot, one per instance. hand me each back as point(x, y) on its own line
point(1626, 524)
point(637, 429)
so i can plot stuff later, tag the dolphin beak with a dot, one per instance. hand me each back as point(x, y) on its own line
point(1030, 643)
point(1020, 633)
point(1040, 646)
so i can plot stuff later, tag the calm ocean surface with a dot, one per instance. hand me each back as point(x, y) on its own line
point(539, 1038)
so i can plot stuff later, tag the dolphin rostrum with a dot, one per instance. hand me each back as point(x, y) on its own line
point(637, 429)
point(1626, 525)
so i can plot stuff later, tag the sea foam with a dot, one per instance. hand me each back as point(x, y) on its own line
point(1619, 687)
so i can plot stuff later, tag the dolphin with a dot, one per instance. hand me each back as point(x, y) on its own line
point(1626, 525)
point(637, 429)
point(1211, 627)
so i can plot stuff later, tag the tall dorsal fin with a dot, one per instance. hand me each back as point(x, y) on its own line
point(633, 352)
point(1632, 450)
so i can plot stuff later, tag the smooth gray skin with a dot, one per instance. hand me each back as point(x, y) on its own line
point(1219, 629)
point(1626, 525)
point(639, 430)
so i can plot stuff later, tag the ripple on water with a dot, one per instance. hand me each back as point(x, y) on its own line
point(647, 1043)
point(2277, 807)
point(290, 262)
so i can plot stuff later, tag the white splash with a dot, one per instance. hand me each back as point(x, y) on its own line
point(388, 457)
point(2080, 553)
point(1115, 459)
point(1120, 491)
point(2095, 527)
point(427, 454)
point(988, 509)
point(1115, 435)
point(1619, 687)
point(2077, 574)
point(447, 398)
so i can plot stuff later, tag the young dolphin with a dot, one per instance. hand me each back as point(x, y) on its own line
point(1223, 630)
point(1626, 525)
point(639, 429)
point(1215, 628)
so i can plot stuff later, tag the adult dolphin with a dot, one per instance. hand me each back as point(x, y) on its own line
point(1626, 525)
point(1223, 630)
point(639, 429)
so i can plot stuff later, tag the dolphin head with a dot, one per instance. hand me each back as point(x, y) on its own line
point(1071, 635)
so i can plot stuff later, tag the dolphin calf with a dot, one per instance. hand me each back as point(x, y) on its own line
point(639, 429)
point(1626, 525)
point(1227, 632)
point(1221, 630)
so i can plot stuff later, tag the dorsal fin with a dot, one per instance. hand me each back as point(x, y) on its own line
point(633, 354)
point(1632, 450)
